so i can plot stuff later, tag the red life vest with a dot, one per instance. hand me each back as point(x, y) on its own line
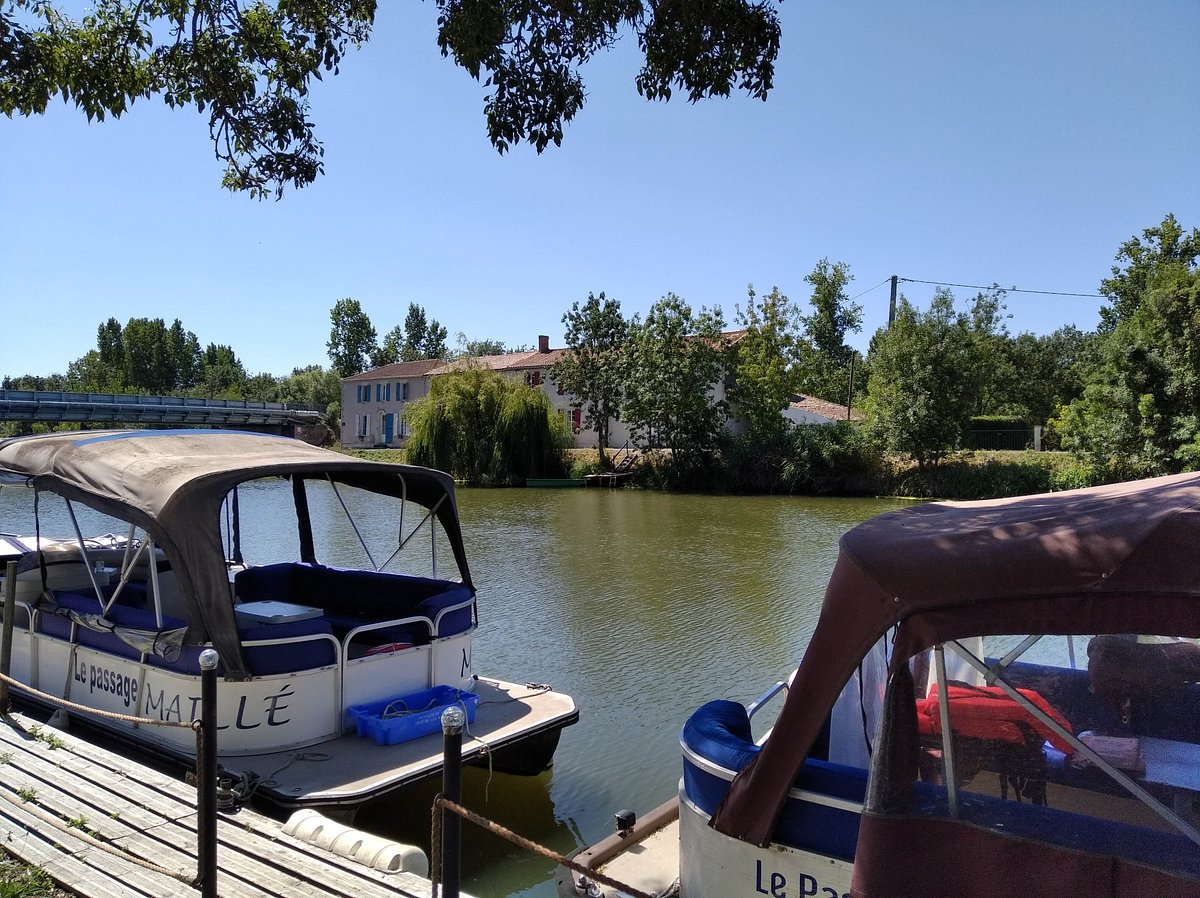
point(985, 712)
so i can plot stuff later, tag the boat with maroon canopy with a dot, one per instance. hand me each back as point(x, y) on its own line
point(999, 698)
point(354, 597)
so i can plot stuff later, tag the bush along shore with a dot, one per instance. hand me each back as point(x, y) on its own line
point(838, 461)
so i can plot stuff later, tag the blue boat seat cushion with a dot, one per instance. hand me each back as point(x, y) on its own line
point(305, 654)
point(262, 660)
point(122, 615)
point(720, 733)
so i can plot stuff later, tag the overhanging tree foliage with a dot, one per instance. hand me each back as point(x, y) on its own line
point(249, 65)
point(485, 429)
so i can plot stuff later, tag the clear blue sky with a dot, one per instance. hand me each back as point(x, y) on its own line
point(969, 142)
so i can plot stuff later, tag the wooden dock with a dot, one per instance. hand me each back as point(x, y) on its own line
point(104, 826)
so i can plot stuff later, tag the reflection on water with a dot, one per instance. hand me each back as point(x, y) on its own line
point(641, 605)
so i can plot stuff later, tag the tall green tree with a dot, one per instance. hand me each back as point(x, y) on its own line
point(110, 346)
point(1044, 373)
point(992, 351)
point(593, 368)
point(389, 348)
point(314, 387)
point(765, 361)
point(249, 66)
point(825, 371)
point(89, 374)
point(485, 429)
point(1140, 410)
point(424, 338)
point(351, 339)
point(676, 362)
point(1139, 263)
point(924, 380)
point(222, 375)
point(467, 348)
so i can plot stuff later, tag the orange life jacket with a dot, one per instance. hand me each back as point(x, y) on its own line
point(985, 712)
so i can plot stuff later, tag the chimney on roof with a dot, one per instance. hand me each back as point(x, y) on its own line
point(543, 343)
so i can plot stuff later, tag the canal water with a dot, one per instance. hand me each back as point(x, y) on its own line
point(641, 605)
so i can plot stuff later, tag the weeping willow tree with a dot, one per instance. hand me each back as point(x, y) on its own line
point(486, 430)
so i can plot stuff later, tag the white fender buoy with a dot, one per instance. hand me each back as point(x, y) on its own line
point(364, 848)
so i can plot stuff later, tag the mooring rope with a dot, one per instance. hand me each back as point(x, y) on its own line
point(109, 715)
point(435, 862)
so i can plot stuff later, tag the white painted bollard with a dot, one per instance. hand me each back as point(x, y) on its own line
point(364, 848)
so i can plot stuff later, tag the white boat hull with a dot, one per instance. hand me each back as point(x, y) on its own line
point(713, 865)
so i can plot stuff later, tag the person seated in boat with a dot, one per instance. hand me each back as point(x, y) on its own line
point(1143, 679)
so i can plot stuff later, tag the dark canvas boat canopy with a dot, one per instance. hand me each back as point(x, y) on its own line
point(1123, 558)
point(172, 484)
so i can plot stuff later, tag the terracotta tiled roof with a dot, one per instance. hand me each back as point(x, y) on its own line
point(831, 410)
point(418, 368)
point(509, 361)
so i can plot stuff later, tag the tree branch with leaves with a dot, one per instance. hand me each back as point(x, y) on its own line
point(249, 64)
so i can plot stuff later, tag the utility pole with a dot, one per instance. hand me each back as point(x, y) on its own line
point(892, 302)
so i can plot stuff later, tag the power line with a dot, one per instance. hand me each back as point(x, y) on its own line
point(997, 286)
point(876, 287)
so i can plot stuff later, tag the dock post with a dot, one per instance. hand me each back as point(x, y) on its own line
point(206, 778)
point(10, 613)
point(454, 720)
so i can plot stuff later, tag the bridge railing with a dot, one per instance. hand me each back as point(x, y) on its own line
point(61, 405)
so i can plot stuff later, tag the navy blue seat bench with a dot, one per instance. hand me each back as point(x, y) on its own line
point(351, 598)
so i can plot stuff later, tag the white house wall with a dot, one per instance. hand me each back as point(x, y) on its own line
point(364, 423)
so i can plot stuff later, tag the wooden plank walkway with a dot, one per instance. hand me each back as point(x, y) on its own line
point(63, 801)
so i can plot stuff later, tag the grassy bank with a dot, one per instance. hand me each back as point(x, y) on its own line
point(18, 880)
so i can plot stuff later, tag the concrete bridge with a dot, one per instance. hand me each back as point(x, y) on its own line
point(113, 408)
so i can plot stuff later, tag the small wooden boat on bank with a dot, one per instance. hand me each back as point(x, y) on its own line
point(330, 675)
point(999, 698)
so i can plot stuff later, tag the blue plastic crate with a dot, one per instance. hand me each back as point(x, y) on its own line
point(405, 717)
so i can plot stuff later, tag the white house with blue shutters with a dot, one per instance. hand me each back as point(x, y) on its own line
point(374, 402)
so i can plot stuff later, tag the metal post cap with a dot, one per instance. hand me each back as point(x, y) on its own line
point(454, 719)
point(209, 659)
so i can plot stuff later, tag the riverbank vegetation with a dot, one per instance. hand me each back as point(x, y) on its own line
point(702, 404)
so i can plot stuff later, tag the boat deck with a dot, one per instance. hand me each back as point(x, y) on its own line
point(647, 859)
point(91, 818)
point(317, 776)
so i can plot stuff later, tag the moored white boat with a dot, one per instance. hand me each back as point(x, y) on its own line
point(309, 651)
point(999, 698)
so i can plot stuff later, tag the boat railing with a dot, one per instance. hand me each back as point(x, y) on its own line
point(397, 636)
